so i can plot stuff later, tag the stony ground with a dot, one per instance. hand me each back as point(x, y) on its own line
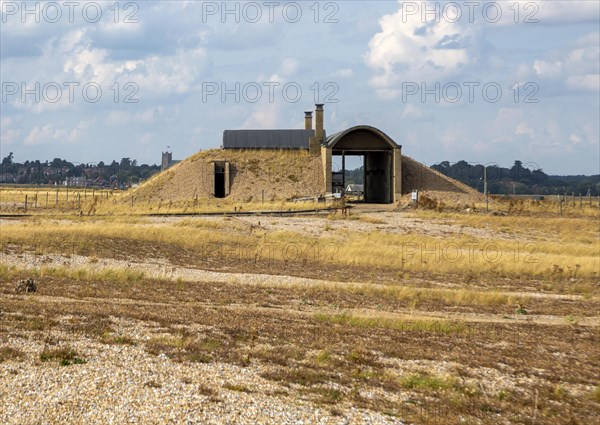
point(158, 338)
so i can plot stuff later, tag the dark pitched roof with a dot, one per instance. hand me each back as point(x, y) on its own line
point(267, 139)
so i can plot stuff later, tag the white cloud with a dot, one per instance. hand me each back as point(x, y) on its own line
point(10, 136)
point(529, 12)
point(524, 129)
point(46, 134)
point(264, 116)
point(412, 112)
point(146, 116)
point(345, 72)
point(454, 137)
point(576, 66)
point(589, 82)
point(39, 135)
point(5, 121)
point(508, 125)
point(559, 12)
point(146, 139)
point(72, 57)
point(410, 48)
point(547, 69)
point(537, 134)
point(590, 132)
point(288, 66)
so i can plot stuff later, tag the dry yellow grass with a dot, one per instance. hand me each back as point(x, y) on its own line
point(447, 203)
point(472, 256)
point(583, 229)
point(88, 202)
point(403, 323)
point(52, 198)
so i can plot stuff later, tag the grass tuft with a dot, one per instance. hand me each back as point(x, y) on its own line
point(9, 353)
point(66, 356)
point(428, 382)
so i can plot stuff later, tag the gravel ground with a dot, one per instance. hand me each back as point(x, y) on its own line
point(124, 384)
point(386, 222)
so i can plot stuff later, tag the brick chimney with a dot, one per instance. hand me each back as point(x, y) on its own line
point(319, 132)
point(308, 120)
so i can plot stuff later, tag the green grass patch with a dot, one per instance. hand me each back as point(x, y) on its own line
point(596, 394)
point(65, 356)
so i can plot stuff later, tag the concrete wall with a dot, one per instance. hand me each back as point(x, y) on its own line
point(326, 163)
point(393, 169)
point(397, 174)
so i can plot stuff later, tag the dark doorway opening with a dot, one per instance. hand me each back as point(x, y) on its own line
point(219, 180)
point(376, 174)
point(378, 155)
point(378, 177)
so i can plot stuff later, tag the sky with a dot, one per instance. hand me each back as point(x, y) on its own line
point(485, 82)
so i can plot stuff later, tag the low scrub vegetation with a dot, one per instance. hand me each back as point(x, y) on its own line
point(10, 353)
point(66, 356)
point(408, 325)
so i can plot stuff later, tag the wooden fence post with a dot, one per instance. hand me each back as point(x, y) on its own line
point(560, 202)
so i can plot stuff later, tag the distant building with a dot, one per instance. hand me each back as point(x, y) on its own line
point(167, 157)
point(167, 161)
point(381, 155)
point(7, 178)
point(76, 181)
point(354, 189)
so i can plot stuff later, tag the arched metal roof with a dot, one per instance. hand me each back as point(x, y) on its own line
point(333, 139)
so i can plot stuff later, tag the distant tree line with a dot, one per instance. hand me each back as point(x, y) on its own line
point(519, 179)
point(124, 172)
point(354, 176)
